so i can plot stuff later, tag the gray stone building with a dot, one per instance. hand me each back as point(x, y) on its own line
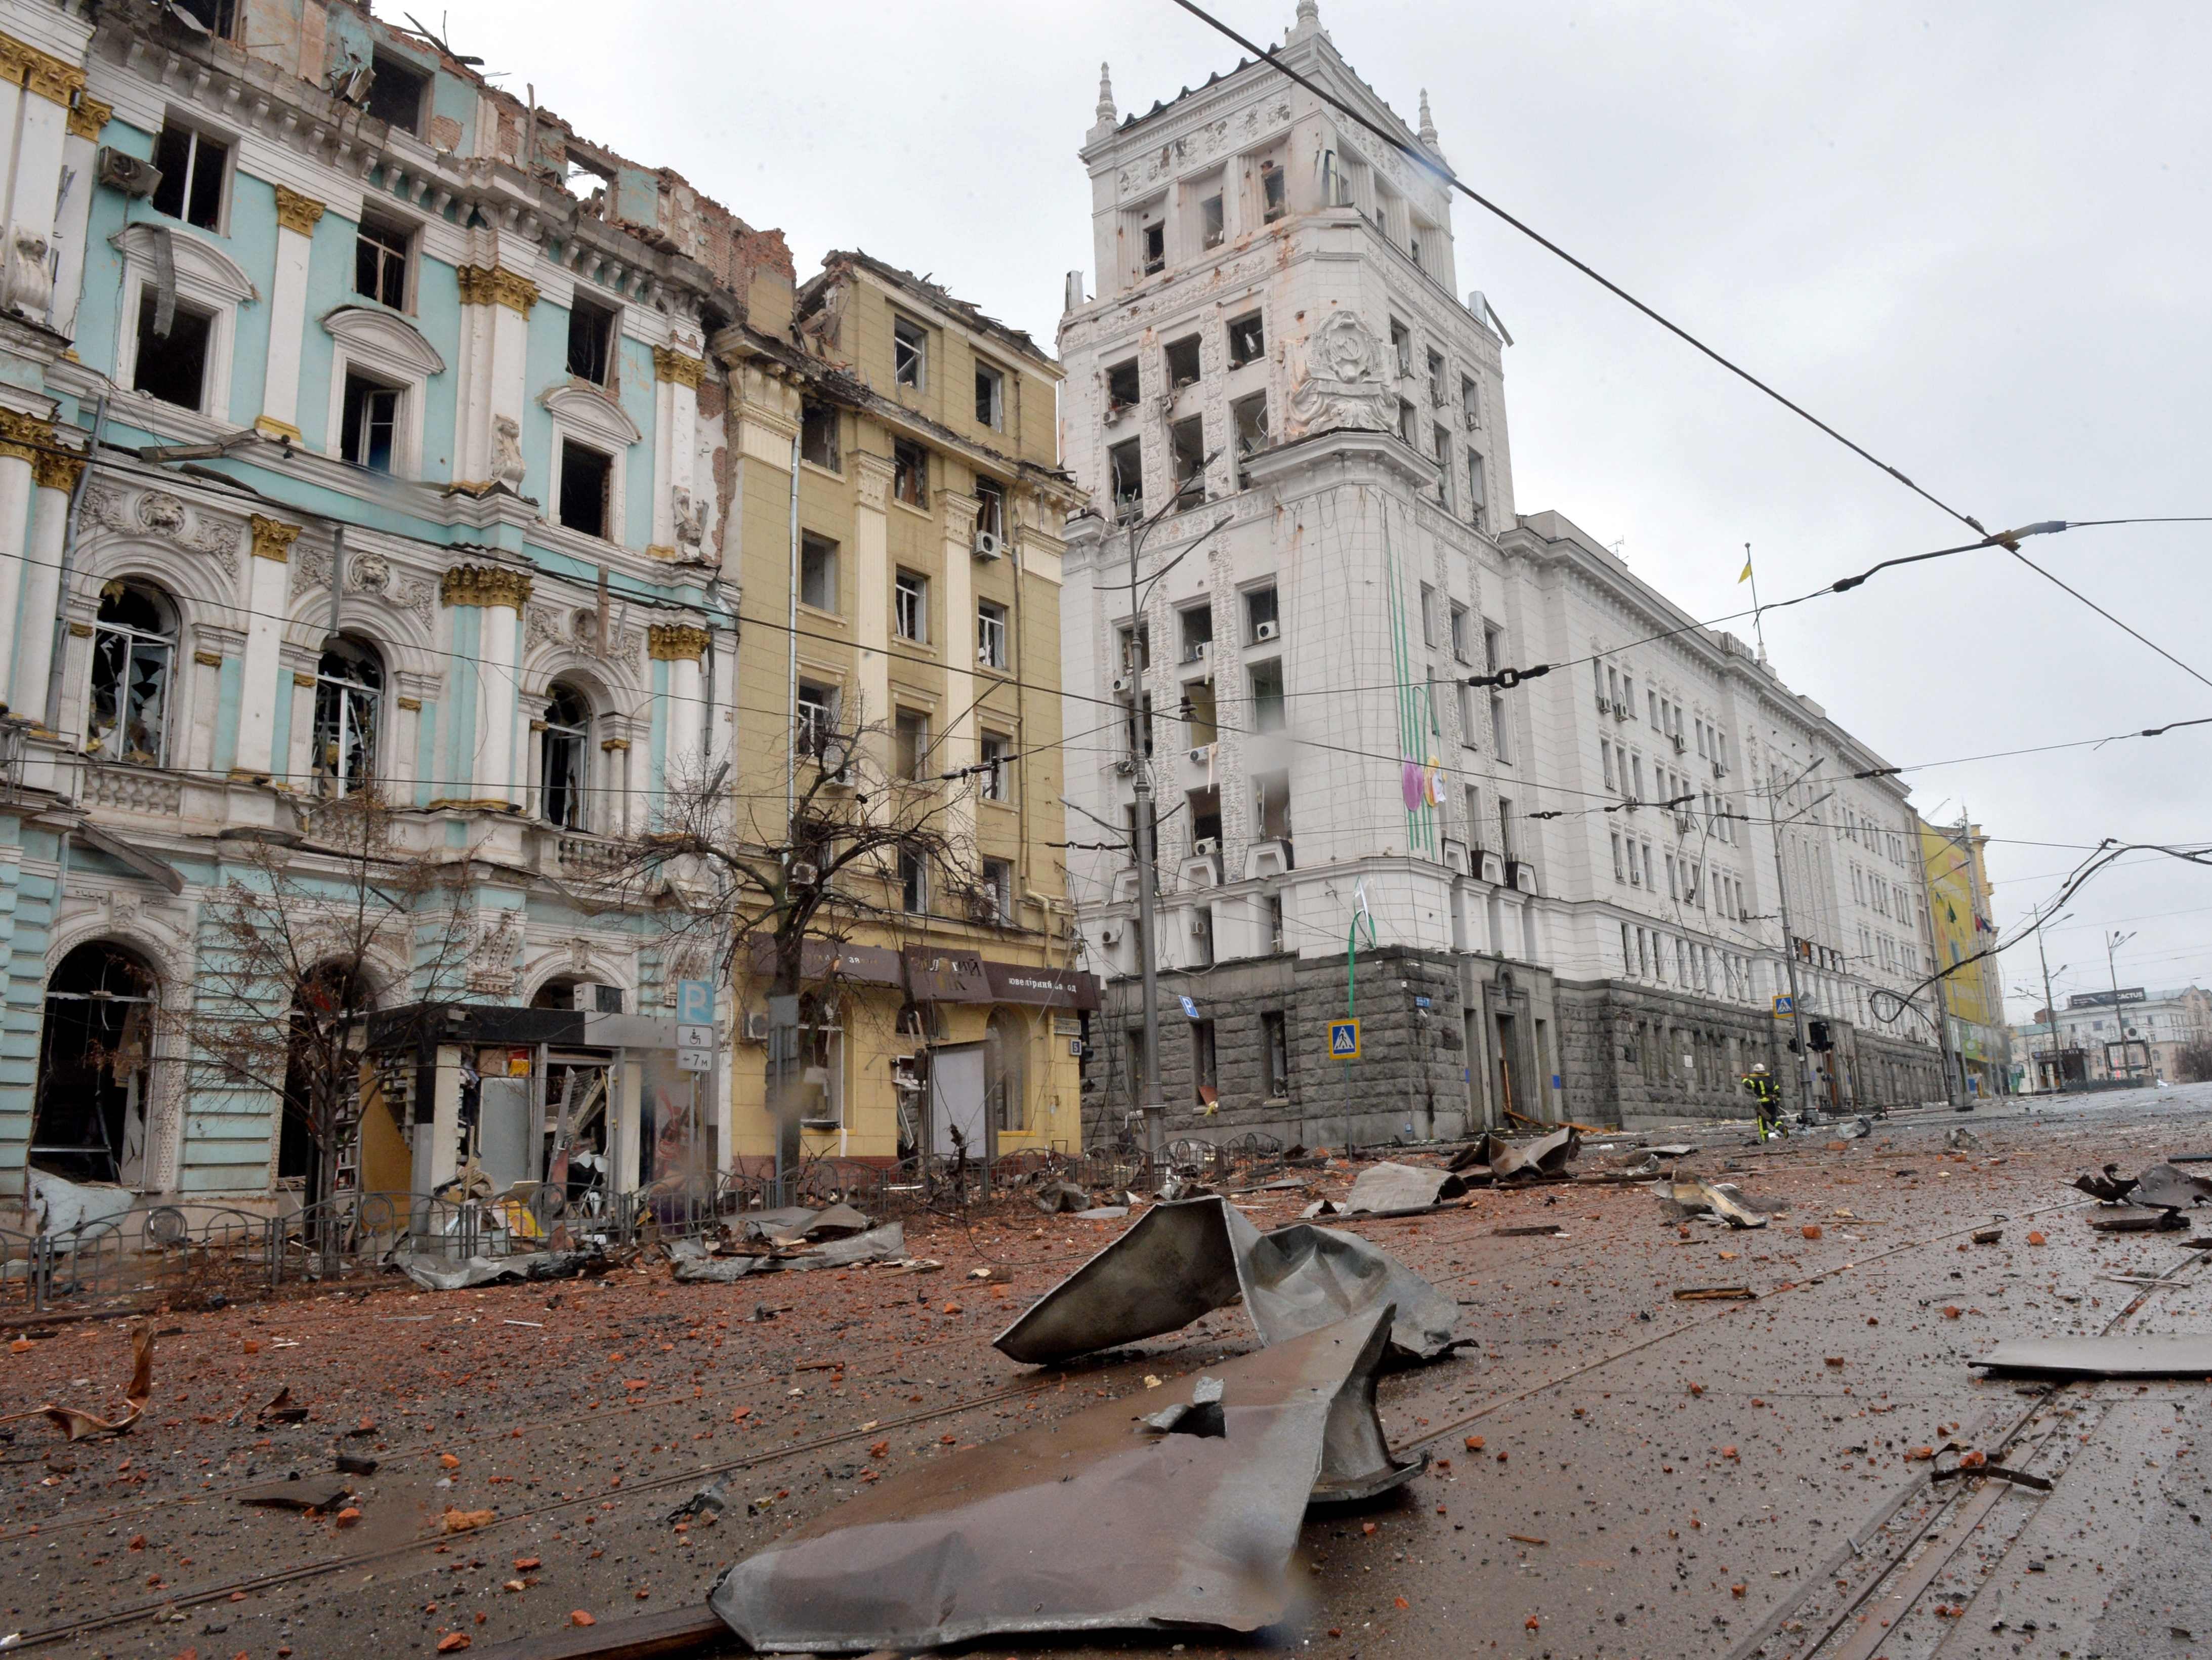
point(1558, 899)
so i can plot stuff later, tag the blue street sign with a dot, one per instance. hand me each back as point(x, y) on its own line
point(1190, 1009)
point(695, 1002)
point(1344, 1040)
point(1785, 1005)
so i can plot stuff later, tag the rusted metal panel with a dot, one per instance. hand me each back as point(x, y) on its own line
point(935, 975)
point(1096, 1523)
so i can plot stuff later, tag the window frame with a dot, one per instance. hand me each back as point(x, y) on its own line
point(818, 416)
point(350, 420)
point(995, 753)
point(195, 135)
point(909, 352)
point(134, 639)
point(992, 640)
point(385, 233)
point(910, 474)
point(910, 606)
point(812, 542)
point(606, 321)
point(577, 737)
point(990, 373)
point(609, 498)
point(209, 281)
point(350, 698)
point(814, 713)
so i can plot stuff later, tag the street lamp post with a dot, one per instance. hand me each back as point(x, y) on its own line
point(2113, 942)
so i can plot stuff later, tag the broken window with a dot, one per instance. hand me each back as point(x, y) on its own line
point(371, 432)
point(1267, 695)
point(817, 573)
point(1136, 648)
point(395, 94)
point(1121, 389)
point(913, 883)
point(1262, 618)
point(1274, 1053)
point(996, 752)
point(1248, 340)
point(193, 167)
point(1156, 246)
point(1477, 501)
point(1200, 714)
point(592, 331)
point(1409, 422)
point(1182, 362)
point(909, 352)
point(990, 397)
point(1436, 395)
point(1458, 634)
point(1271, 192)
point(1202, 1061)
point(1470, 402)
point(814, 718)
point(990, 512)
point(563, 756)
point(94, 1051)
point(1247, 418)
point(586, 478)
point(1197, 626)
point(349, 685)
point(1125, 463)
point(1139, 738)
point(1401, 348)
point(1204, 818)
point(911, 473)
point(379, 262)
point(910, 606)
point(996, 891)
point(218, 17)
point(909, 743)
point(991, 634)
point(1440, 446)
point(173, 367)
point(1212, 227)
point(1271, 806)
point(1186, 448)
point(817, 435)
point(133, 644)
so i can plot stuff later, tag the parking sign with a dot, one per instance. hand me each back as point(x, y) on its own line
point(695, 1002)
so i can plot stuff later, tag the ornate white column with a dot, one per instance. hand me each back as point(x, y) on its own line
point(53, 476)
point(39, 119)
point(80, 151)
point(22, 440)
point(267, 600)
point(296, 215)
point(681, 645)
point(678, 521)
point(500, 595)
point(495, 306)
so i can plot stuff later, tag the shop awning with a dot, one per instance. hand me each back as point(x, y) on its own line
point(941, 974)
point(867, 965)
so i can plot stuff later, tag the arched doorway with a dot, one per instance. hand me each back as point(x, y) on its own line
point(95, 1066)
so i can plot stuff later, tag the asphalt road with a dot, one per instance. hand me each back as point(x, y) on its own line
point(1653, 1477)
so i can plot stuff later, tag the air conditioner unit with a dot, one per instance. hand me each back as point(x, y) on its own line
point(1201, 755)
point(1198, 927)
point(1603, 706)
point(1206, 846)
point(592, 998)
point(1680, 742)
point(1110, 935)
point(756, 1029)
point(1122, 685)
point(1114, 411)
point(1124, 765)
point(989, 545)
point(1265, 630)
point(1720, 768)
point(1200, 650)
point(804, 875)
point(1622, 712)
point(132, 174)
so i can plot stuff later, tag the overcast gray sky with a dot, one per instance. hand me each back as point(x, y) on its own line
point(1973, 237)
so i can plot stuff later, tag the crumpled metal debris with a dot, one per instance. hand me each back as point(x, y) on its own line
point(1395, 1190)
point(1854, 1129)
point(1547, 1155)
point(76, 1423)
point(695, 1264)
point(298, 1492)
point(1054, 1197)
point(2114, 1355)
point(1180, 1260)
point(435, 1272)
point(2109, 1185)
point(1086, 1525)
point(1724, 1199)
point(2168, 1189)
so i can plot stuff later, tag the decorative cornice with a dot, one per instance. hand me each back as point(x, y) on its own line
point(88, 116)
point(81, 630)
point(42, 72)
point(207, 660)
point(613, 745)
point(273, 538)
point(491, 285)
point(412, 705)
point(297, 212)
point(485, 585)
point(685, 370)
point(675, 642)
point(301, 677)
point(53, 471)
point(23, 436)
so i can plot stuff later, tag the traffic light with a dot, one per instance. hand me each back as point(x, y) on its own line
point(1817, 1037)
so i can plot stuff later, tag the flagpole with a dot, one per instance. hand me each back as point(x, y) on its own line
point(1758, 619)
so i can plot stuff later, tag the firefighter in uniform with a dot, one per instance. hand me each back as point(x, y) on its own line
point(1766, 1100)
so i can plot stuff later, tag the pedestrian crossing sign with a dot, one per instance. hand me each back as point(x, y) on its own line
point(1785, 1005)
point(1344, 1040)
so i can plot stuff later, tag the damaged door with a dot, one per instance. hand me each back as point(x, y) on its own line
point(957, 1120)
point(1508, 1065)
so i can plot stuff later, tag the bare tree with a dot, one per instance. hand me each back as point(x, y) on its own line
point(867, 839)
point(2193, 1061)
point(301, 944)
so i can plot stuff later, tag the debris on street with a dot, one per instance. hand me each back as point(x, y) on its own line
point(77, 1424)
point(1041, 1527)
point(1183, 1260)
point(2114, 1355)
point(1394, 1190)
point(1724, 1201)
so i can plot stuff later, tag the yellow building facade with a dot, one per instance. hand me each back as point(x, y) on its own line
point(897, 505)
point(1962, 922)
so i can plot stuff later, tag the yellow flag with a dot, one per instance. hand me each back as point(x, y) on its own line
point(1745, 577)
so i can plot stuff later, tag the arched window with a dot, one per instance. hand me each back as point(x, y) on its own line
point(349, 688)
point(134, 640)
point(94, 1064)
point(1005, 1071)
point(564, 758)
